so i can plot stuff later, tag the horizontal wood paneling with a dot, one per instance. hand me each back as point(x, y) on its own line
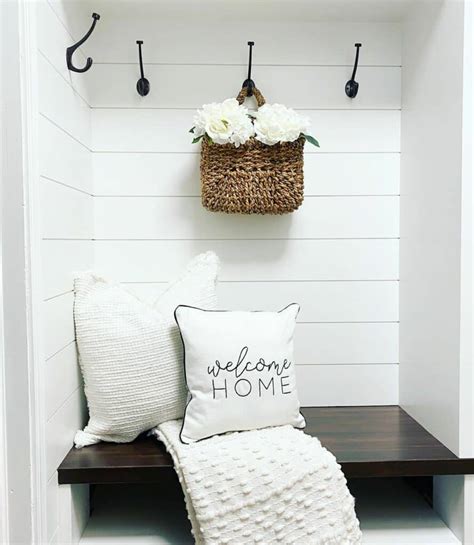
point(58, 324)
point(62, 158)
point(154, 261)
point(53, 39)
point(69, 212)
point(147, 181)
point(63, 377)
point(164, 174)
point(61, 428)
point(60, 103)
point(323, 334)
point(319, 301)
point(62, 259)
point(346, 385)
point(310, 85)
point(213, 41)
point(66, 213)
point(339, 322)
point(175, 218)
point(335, 344)
point(126, 130)
point(317, 342)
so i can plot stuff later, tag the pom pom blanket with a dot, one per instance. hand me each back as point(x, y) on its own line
point(269, 486)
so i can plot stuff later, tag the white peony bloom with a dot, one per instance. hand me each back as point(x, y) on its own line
point(276, 123)
point(226, 122)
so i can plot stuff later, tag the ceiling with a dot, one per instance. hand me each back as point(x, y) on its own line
point(259, 10)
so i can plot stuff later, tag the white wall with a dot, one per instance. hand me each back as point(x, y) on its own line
point(119, 185)
point(436, 239)
point(431, 192)
point(66, 232)
point(337, 256)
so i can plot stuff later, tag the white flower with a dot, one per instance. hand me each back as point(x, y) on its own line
point(276, 123)
point(225, 122)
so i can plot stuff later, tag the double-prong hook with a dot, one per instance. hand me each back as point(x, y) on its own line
point(352, 87)
point(70, 50)
point(249, 83)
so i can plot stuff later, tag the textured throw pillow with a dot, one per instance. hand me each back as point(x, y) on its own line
point(239, 370)
point(130, 352)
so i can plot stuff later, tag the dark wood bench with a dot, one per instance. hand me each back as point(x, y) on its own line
point(367, 441)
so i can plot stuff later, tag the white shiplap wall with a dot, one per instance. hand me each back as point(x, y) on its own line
point(67, 232)
point(120, 190)
point(337, 256)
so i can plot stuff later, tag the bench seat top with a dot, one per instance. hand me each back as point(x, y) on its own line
point(382, 441)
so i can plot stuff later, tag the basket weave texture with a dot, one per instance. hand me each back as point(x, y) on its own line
point(254, 178)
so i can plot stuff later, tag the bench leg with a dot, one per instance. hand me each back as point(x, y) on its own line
point(73, 512)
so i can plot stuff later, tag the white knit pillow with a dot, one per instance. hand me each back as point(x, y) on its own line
point(239, 370)
point(130, 352)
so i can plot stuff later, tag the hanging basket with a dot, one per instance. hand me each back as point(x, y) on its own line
point(254, 178)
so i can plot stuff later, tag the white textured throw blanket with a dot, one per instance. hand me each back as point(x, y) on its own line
point(271, 486)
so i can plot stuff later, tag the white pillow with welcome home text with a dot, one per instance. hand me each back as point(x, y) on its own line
point(239, 370)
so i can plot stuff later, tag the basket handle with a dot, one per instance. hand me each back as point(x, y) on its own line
point(256, 93)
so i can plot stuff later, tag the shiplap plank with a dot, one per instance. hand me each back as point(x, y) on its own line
point(312, 86)
point(140, 130)
point(162, 174)
point(59, 102)
point(352, 174)
point(333, 344)
point(319, 301)
point(154, 261)
point(63, 377)
point(277, 42)
point(346, 385)
point(175, 218)
point(58, 326)
point(62, 158)
point(61, 428)
point(76, 17)
point(66, 205)
point(62, 259)
point(53, 39)
point(68, 212)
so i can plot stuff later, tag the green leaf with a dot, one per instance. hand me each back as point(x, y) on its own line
point(311, 140)
point(191, 130)
point(196, 140)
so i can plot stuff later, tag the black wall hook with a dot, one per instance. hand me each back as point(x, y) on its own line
point(352, 87)
point(70, 50)
point(249, 83)
point(143, 85)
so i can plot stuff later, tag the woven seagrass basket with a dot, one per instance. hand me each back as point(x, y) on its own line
point(254, 178)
